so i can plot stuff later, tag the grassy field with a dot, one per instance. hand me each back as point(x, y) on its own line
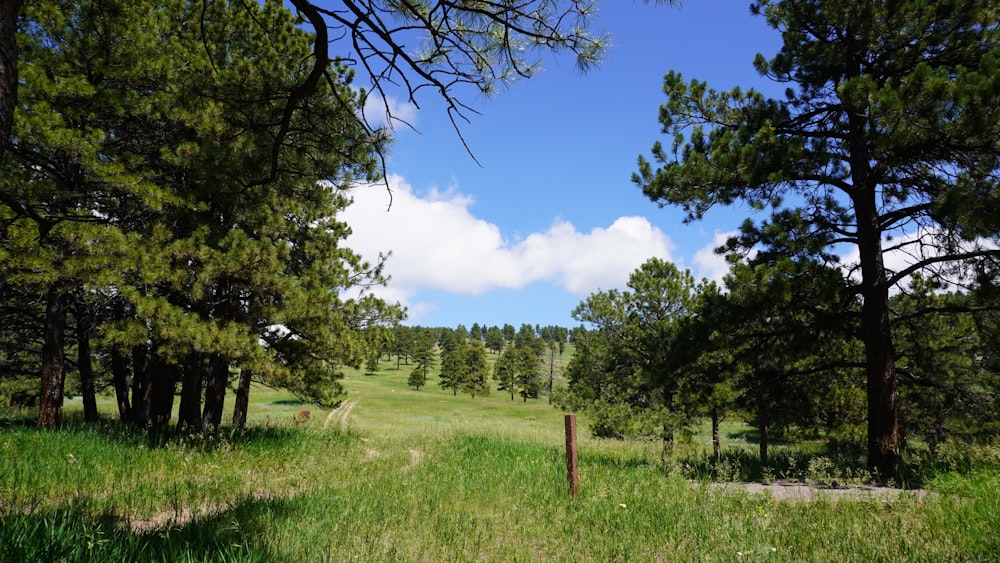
point(402, 475)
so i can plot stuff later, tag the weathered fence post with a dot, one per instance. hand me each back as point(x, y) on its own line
point(571, 463)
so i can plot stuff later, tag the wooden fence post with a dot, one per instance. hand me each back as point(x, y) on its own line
point(571, 460)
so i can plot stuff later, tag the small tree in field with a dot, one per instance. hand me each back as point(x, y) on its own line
point(418, 378)
point(476, 382)
point(505, 371)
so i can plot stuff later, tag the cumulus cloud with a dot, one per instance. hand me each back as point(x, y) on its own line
point(710, 265)
point(905, 250)
point(378, 110)
point(438, 244)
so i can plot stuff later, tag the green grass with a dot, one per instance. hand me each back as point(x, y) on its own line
point(428, 476)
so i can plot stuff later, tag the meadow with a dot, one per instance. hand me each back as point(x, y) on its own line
point(395, 474)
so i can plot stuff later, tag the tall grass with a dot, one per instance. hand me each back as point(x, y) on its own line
point(426, 476)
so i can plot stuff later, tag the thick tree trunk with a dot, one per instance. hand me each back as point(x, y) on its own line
point(84, 323)
point(119, 372)
point(880, 361)
point(53, 362)
point(880, 364)
point(242, 400)
point(215, 393)
point(189, 414)
point(162, 384)
point(9, 10)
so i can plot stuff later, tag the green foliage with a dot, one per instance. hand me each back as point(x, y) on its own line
point(884, 140)
point(477, 374)
point(505, 371)
point(631, 367)
point(948, 390)
point(494, 339)
point(141, 158)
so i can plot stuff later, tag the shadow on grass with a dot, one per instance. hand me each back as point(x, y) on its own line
point(848, 463)
point(69, 535)
point(752, 436)
point(111, 430)
point(291, 403)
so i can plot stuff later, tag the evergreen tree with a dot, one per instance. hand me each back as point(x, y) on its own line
point(454, 361)
point(423, 356)
point(505, 371)
point(128, 168)
point(494, 339)
point(890, 120)
point(476, 381)
point(644, 322)
point(527, 372)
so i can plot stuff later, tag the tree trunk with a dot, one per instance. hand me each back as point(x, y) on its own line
point(716, 449)
point(141, 387)
point(119, 372)
point(163, 384)
point(215, 393)
point(189, 414)
point(552, 369)
point(9, 10)
point(242, 400)
point(84, 323)
point(880, 361)
point(53, 363)
point(668, 441)
point(880, 365)
point(763, 441)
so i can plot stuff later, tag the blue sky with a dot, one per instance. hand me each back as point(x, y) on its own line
point(551, 215)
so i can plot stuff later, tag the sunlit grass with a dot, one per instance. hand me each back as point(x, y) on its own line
point(429, 476)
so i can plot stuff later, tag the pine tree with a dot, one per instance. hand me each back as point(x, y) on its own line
point(476, 381)
point(890, 120)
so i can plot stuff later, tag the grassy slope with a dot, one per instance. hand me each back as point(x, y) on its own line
point(428, 476)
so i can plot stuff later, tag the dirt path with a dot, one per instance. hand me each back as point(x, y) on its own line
point(781, 490)
point(341, 412)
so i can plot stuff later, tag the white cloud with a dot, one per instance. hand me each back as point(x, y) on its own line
point(377, 111)
point(437, 244)
point(708, 263)
point(901, 252)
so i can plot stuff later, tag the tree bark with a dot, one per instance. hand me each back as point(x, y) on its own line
point(119, 372)
point(215, 393)
point(162, 386)
point(9, 10)
point(242, 400)
point(53, 362)
point(141, 387)
point(189, 414)
point(880, 361)
point(84, 323)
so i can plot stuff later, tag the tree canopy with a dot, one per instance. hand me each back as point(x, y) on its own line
point(886, 141)
point(132, 178)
